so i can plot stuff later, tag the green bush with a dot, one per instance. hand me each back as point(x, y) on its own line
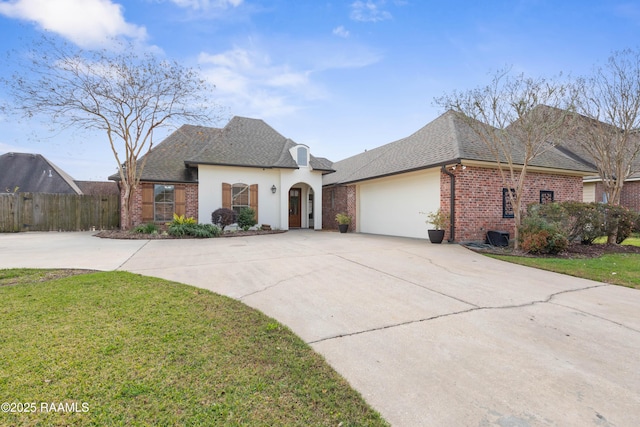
point(539, 235)
point(149, 228)
point(619, 221)
point(195, 230)
point(246, 218)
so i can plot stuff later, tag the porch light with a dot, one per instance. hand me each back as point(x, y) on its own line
point(273, 189)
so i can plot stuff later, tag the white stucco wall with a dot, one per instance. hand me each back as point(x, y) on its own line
point(210, 179)
point(273, 209)
point(391, 205)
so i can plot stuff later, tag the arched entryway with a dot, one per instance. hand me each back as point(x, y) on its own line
point(301, 206)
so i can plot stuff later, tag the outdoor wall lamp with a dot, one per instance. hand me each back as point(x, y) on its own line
point(273, 189)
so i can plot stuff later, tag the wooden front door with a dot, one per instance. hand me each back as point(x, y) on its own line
point(295, 203)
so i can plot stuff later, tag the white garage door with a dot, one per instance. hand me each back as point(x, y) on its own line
point(392, 205)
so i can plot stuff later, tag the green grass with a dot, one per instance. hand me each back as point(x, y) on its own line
point(633, 240)
point(144, 351)
point(617, 269)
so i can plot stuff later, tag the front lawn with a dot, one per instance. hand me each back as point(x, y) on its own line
point(122, 349)
point(617, 269)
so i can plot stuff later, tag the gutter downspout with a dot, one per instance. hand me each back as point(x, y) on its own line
point(452, 214)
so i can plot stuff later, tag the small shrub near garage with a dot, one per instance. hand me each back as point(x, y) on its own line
point(539, 235)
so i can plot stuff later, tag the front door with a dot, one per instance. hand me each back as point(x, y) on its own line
point(295, 215)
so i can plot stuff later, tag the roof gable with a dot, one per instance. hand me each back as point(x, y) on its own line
point(242, 142)
point(447, 139)
point(33, 173)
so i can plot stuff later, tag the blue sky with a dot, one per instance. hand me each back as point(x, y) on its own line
point(339, 76)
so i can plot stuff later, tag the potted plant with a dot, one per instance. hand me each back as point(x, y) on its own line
point(343, 221)
point(439, 220)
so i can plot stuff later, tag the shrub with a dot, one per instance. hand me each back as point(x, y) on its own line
point(247, 218)
point(149, 228)
point(618, 221)
point(539, 235)
point(195, 230)
point(180, 219)
point(223, 217)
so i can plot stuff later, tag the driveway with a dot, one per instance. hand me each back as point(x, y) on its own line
point(429, 334)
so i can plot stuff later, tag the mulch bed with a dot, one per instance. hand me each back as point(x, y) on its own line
point(130, 235)
point(575, 250)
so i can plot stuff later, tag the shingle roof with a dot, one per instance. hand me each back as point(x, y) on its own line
point(95, 188)
point(252, 143)
point(448, 139)
point(33, 173)
point(242, 142)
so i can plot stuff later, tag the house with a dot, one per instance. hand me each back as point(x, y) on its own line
point(33, 173)
point(197, 170)
point(443, 165)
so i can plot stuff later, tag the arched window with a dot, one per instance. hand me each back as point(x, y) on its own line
point(240, 197)
point(302, 155)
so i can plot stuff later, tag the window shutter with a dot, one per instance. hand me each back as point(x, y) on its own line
point(180, 200)
point(253, 202)
point(147, 202)
point(226, 195)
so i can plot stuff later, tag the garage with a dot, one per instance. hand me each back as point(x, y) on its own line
point(392, 205)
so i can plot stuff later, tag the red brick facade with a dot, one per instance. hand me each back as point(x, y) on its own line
point(479, 199)
point(338, 199)
point(630, 197)
point(186, 202)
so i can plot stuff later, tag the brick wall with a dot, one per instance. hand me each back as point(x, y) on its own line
point(630, 197)
point(338, 199)
point(191, 202)
point(479, 199)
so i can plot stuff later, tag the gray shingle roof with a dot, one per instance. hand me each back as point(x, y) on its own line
point(33, 173)
point(448, 139)
point(242, 142)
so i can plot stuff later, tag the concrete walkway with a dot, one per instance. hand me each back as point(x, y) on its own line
point(429, 334)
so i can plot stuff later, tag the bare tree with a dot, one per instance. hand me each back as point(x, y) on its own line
point(516, 118)
point(609, 104)
point(126, 94)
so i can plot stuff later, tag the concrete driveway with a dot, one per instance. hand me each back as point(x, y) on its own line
point(429, 334)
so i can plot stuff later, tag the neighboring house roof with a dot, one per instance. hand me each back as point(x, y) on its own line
point(33, 173)
point(98, 188)
point(446, 140)
point(242, 142)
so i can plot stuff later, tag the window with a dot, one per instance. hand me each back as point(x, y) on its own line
point(546, 197)
point(302, 156)
point(163, 202)
point(507, 207)
point(239, 197)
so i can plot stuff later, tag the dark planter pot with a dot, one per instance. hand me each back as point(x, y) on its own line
point(343, 227)
point(436, 236)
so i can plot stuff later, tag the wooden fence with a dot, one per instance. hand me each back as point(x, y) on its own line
point(58, 212)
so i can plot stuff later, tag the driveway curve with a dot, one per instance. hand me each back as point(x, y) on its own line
point(429, 334)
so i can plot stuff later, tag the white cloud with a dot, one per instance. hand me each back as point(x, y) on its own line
point(369, 11)
point(248, 81)
point(86, 23)
point(341, 32)
point(207, 4)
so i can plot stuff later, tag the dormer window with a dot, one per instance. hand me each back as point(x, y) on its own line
point(302, 156)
